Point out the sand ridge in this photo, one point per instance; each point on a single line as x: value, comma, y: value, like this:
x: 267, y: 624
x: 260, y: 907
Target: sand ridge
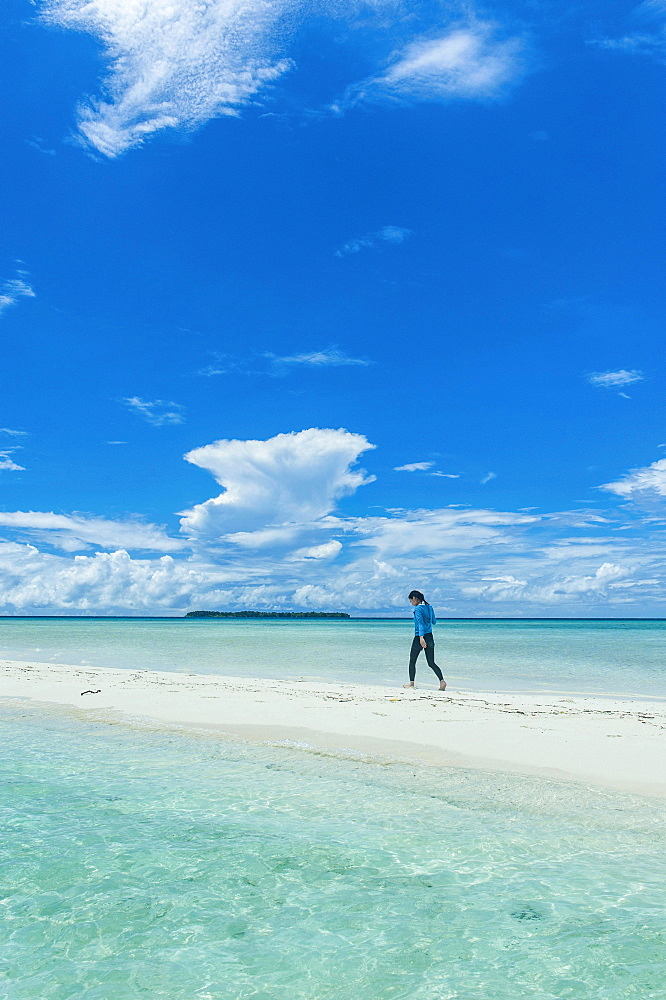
x: 619, y: 743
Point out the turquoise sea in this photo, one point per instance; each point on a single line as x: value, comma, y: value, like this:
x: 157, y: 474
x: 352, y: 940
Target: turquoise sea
x: 601, y: 657
x: 139, y: 859
x: 157, y: 862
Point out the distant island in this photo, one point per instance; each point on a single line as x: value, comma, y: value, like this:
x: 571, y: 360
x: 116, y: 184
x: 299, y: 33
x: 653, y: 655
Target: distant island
x: 267, y: 614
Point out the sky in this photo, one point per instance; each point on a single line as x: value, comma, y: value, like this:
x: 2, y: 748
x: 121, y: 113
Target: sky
x: 304, y: 305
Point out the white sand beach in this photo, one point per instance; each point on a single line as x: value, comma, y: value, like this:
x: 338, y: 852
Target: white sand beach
x: 617, y: 743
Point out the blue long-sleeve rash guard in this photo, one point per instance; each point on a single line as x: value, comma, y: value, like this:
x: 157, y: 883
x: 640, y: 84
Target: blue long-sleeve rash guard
x: 424, y: 619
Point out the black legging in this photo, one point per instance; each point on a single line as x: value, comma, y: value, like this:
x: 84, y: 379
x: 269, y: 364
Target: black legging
x: 430, y: 656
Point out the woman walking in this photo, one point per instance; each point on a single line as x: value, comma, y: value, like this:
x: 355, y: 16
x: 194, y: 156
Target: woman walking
x: 424, y: 619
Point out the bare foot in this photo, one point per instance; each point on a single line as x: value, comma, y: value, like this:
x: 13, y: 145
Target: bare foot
x: 411, y: 685
x: 442, y: 685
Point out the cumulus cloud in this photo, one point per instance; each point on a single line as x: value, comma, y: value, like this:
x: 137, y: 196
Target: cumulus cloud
x: 414, y: 467
x: 171, y: 64
x: 615, y: 380
x: 604, y: 575
x: 651, y: 479
x: 106, y: 581
x: 468, y: 62
x: 158, y: 412
x: 467, y: 561
x: 73, y: 532
x: 393, y: 235
x: 273, y: 539
x: 14, y: 289
x: 289, y: 478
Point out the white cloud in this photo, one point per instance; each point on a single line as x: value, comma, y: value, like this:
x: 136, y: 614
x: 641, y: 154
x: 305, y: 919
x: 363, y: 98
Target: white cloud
x: 646, y: 41
x: 171, y: 63
x: 613, y: 380
x: 40, y: 145
x: 496, y: 588
x: 488, y: 477
x: 394, y: 235
x: 14, y: 289
x: 327, y: 550
x: 445, y: 475
x: 652, y: 44
x: 13, y: 433
x: 413, y: 533
x: 414, y: 467
x: 106, y: 581
x: 651, y: 479
x: 274, y: 540
x: 295, y: 477
x: 225, y: 364
x: 158, y: 412
x: 467, y: 561
x: 175, y: 64
x: 328, y: 358
x: 274, y: 365
x: 7, y: 463
x: 73, y: 532
x: 468, y: 62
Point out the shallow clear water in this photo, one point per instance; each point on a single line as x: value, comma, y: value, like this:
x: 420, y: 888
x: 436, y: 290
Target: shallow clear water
x: 603, y: 657
x: 160, y: 862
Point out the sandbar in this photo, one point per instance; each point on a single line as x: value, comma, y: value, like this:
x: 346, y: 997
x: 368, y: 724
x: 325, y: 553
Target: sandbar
x: 612, y: 742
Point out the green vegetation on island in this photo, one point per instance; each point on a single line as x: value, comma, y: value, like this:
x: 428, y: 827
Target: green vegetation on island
x: 267, y: 614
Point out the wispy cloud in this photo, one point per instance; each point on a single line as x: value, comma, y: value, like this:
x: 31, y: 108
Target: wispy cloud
x: 13, y: 433
x: 175, y: 64
x: 7, y: 463
x: 638, y: 44
x: 650, y: 479
x: 649, y: 38
x: 224, y: 364
x: 327, y: 550
x: 272, y: 364
x: 468, y: 62
x: 328, y: 358
x: 615, y: 380
x: 14, y: 289
x: 172, y: 63
x: 158, y: 412
x: 414, y: 467
x: 488, y: 477
x: 424, y: 467
x: 39, y: 144
x: 73, y: 532
x: 393, y: 235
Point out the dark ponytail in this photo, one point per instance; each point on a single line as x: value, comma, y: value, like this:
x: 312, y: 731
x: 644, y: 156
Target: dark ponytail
x: 417, y: 593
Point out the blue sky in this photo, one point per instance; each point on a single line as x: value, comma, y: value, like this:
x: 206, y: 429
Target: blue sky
x: 302, y: 307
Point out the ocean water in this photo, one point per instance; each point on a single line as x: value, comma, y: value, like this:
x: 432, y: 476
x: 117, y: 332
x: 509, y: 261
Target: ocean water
x: 160, y: 862
x: 625, y: 657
